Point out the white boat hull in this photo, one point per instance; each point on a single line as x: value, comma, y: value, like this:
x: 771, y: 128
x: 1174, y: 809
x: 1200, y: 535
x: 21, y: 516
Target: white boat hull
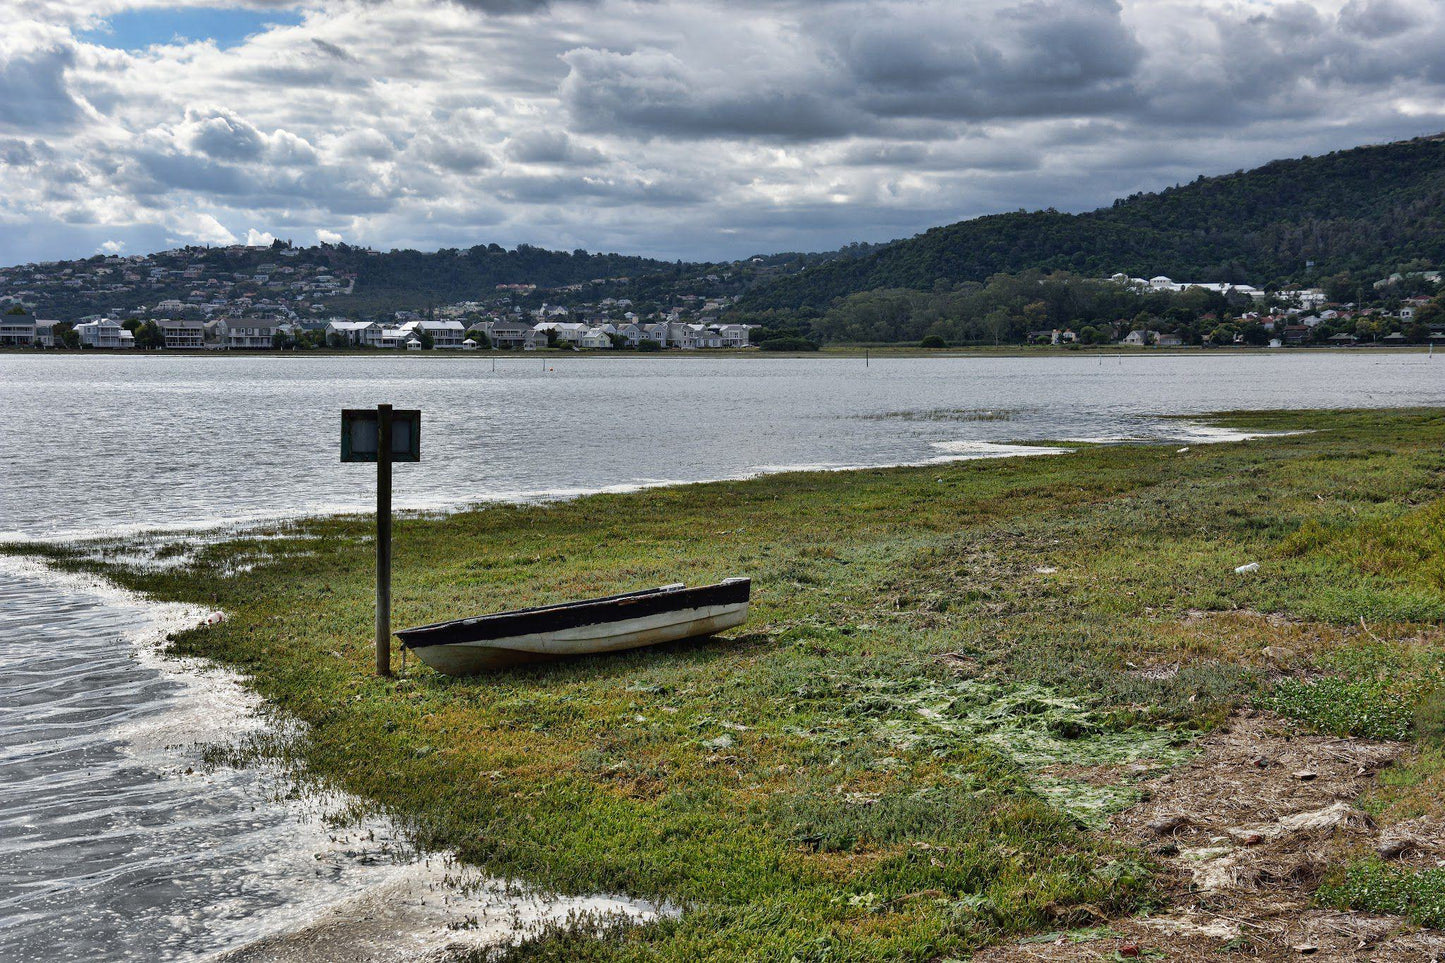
x: 469, y: 658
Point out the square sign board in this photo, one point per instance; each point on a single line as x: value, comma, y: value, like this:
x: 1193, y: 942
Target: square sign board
x: 359, y: 433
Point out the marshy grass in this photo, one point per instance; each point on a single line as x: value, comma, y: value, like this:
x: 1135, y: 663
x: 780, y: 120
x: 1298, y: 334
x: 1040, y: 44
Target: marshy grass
x: 887, y: 763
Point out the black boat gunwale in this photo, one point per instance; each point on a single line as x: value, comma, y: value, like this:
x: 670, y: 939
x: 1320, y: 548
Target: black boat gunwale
x: 567, y: 615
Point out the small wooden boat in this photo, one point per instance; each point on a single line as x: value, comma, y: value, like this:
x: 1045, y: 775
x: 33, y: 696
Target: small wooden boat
x: 611, y: 624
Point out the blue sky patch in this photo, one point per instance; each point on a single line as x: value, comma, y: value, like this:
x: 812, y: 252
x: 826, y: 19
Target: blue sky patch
x: 227, y: 26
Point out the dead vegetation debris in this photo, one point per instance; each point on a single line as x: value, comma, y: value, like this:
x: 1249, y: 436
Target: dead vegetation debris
x: 1244, y: 842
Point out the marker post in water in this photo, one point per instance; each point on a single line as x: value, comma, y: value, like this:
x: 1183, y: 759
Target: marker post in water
x: 383, y: 436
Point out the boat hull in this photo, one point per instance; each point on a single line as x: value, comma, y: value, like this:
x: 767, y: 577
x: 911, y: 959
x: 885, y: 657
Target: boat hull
x: 636, y: 620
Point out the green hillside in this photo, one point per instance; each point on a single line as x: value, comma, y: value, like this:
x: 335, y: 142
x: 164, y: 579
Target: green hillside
x: 1366, y: 210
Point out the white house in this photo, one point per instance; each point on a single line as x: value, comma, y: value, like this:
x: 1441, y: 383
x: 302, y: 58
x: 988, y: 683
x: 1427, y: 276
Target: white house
x: 99, y: 334
x: 596, y: 338
x: 733, y: 335
x: 444, y: 334
x: 365, y: 333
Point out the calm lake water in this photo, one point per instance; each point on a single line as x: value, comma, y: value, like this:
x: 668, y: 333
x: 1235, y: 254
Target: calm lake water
x: 111, y: 849
x: 96, y: 444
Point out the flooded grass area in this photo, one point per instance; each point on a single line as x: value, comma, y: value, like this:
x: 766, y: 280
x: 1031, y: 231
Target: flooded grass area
x: 961, y: 686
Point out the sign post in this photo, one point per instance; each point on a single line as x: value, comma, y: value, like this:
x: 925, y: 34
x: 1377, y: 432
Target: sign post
x: 383, y: 436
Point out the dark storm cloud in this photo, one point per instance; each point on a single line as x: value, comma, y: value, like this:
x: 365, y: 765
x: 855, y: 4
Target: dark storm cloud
x: 655, y: 93
x: 1036, y: 59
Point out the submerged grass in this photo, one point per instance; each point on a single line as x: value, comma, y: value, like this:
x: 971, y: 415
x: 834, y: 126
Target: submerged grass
x: 907, y: 752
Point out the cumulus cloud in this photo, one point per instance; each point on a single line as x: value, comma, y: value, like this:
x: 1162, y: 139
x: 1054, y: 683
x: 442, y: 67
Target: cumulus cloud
x: 680, y: 128
x: 196, y: 227
x: 327, y: 237
x: 34, y: 59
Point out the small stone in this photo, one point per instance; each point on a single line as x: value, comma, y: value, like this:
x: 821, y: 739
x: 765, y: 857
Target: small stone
x: 1253, y: 839
x: 1395, y: 845
x: 1305, y: 949
x: 1304, y: 775
x: 1169, y: 824
x: 1129, y: 950
x: 1277, y: 655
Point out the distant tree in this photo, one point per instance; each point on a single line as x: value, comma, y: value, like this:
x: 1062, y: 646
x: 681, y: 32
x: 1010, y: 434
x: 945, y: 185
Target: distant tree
x: 788, y: 344
x: 426, y: 339
x: 149, y: 335
x: 933, y: 341
x: 647, y: 345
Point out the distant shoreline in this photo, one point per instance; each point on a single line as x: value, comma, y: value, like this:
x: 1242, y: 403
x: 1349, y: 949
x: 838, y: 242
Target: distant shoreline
x: 835, y: 351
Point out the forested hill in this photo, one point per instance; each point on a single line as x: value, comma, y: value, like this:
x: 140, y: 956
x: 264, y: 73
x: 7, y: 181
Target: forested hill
x: 1365, y: 210
x: 403, y: 277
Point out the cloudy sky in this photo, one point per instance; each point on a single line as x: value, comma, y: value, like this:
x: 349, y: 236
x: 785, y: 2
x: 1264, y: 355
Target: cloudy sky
x: 699, y: 129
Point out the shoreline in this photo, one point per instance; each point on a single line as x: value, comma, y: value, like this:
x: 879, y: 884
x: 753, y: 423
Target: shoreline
x: 398, y: 903
x: 879, y: 352
x: 844, y: 535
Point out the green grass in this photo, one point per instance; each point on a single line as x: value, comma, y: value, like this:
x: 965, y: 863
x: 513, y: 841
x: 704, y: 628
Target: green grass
x: 888, y: 762
x: 1373, y: 886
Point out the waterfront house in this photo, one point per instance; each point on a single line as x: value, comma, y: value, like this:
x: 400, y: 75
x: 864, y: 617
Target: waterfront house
x: 253, y: 334
x: 45, y: 334
x: 632, y: 332
x: 444, y: 334
x: 103, y: 333
x: 1139, y: 338
x: 596, y: 338
x: 510, y: 334
x: 568, y: 332
x: 362, y: 333
x: 177, y: 334
x: 1296, y: 334
x: 657, y: 331
x: 1169, y: 340
x: 16, y: 330
x: 733, y: 335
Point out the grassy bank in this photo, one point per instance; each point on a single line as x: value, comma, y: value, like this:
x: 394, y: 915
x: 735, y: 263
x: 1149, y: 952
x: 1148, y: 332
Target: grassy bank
x: 886, y: 764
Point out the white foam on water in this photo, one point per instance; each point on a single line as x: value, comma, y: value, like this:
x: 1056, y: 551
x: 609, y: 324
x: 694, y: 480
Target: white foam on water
x: 965, y: 449
x: 117, y: 842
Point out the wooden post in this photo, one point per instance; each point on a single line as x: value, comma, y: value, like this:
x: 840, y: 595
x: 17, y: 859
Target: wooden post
x: 383, y: 540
